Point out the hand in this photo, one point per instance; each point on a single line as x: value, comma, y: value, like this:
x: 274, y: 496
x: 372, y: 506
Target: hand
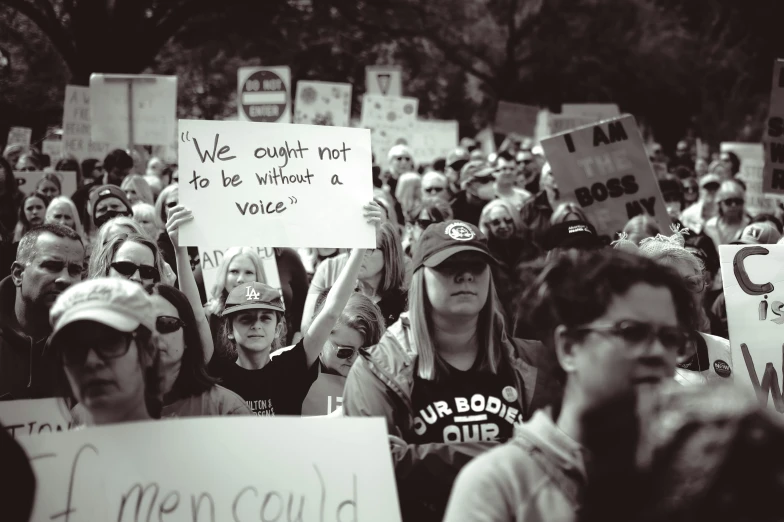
x: 168, y: 276
x: 397, y: 446
x: 177, y: 216
x: 373, y: 213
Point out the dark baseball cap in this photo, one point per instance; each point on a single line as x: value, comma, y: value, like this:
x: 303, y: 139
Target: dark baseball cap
x: 457, y: 158
x: 253, y: 296
x: 108, y: 191
x: 440, y: 241
x: 572, y: 234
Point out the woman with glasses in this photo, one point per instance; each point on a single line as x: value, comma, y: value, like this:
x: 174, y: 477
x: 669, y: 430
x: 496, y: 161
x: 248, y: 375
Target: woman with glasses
x: 502, y: 226
x: 104, y: 334
x: 446, y: 377
x: 725, y: 228
x: 127, y: 256
x: 616, y: 323
x: 428, y: 211
x: 32, y: 213
x: 50, y: 186
x: 435, y: 185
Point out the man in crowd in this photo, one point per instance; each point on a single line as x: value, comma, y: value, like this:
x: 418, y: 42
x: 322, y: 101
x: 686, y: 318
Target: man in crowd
x: 695, y: 216
x: 434, y: 185
x: 400, y: 161
x: 117, y: 165
x: 50, y: 258
x: 476, y: 183
x: 455, y: 162
x: 107, y: 202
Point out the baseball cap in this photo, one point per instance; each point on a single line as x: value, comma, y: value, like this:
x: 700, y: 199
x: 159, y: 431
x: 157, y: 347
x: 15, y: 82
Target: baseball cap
x: 107, y: 191
x: 115, y: 302
x: 440, y: 241
x: 758, y: 234
x: 458, y: 158
x: 710, y: 178
x: 475, y: 169
x: 253, y: 296
x: 572, y: 234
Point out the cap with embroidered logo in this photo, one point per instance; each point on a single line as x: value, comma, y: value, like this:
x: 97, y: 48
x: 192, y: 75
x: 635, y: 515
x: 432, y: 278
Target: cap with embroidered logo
x: 441, y: 241
x: 758, y: 234
x: 253, y: 296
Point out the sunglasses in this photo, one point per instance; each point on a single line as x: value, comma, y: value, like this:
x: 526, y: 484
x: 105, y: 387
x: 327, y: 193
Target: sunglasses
x: 106, y: 342
x: 127, y: 269
x: 424, y: 223
x: 733, y: 202
x: 474, y: 267
x: 499, y: 222
x: 639, y: 335
x: 403, y: 158
x: 345, y: 353
x: 711, y: 187
x: 166, y: 324
x: 433, y: 190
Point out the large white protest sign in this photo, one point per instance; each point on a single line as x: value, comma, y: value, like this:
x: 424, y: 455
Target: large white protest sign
x: 773, y: 137
x: 53, y: 149
x: 752, y: 165
x: 386, y: 80
x: 27, y: 180
x: 433, y: 139
x: 77, y: 139
x: 391, y: 121
x: 211, y: 259
x: 323, y: 103
x: 217, y: 469
x: 753, y: 278
x: 595, y: 111
x: 516, y: 118
x: 275, y: 184
x: 31, y: 417
x: 144, y: 105
x: 264, y: 94
x: 604, y: 168
x: 19, y: 136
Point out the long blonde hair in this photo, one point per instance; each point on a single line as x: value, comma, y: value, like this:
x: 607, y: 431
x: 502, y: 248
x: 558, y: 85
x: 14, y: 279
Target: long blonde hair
x: 484, y: 218
x: 219, y: 293
x: 491, y: 331
x: 65, y: 200
x: 408, y: 192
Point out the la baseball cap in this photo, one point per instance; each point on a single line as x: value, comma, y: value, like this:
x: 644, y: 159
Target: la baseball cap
x: 440, y: 241
x: 253, y: 296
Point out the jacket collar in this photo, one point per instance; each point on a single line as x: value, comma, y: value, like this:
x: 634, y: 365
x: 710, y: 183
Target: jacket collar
x: 8, y: 322
x: 545, y: 434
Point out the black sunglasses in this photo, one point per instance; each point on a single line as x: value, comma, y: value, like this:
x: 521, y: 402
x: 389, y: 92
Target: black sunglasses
x: 637, y: 334
x: 107, y: 343
x: 167, y: 324
x: 345, y: 353
x: 734, y: 202
x: 127, y: 269
x: 424, y: 223
x: 431, y: 190
x: 499, y: 222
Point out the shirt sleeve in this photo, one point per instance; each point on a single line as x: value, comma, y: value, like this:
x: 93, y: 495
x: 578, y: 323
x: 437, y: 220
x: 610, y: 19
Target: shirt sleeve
x: 479, y: 494
x: 295, y: 374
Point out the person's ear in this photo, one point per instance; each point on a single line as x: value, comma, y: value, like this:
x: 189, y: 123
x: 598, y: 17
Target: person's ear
x: 17, y: 270
x: 565, y: 345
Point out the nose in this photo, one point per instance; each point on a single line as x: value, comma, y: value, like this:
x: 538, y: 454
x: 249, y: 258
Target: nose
x: 136, y: 276
x: 92, y: 359
x: 464, y: 277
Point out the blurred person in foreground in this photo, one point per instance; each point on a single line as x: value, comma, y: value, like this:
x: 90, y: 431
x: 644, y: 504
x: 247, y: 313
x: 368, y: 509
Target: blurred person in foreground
x: 706, y: 207
x: 477, y: 188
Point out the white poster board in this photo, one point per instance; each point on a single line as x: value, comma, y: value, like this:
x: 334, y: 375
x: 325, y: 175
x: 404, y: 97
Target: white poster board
x: 53, y: 149
x: 594, y: 111
x: 217, y: 469
x: 386, y: 80
x: 77, y: 140
x: 275, y: 185
x: 558, y: 123
x: 391, y: 121
x: 752, y: 165
x: 433, y: 139
x: 19, y: 136
x: 773, y: 137
x: 264, y: 94
x: 323, y: 103
x: 153, y: 106
x: 211, y: 259
x: 33, y: 417
x: 28, y: 180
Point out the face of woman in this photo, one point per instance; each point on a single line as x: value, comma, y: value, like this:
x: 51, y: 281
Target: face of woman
x: 132, y: 196
x: 240, y: 271
x: 136, y: 254
x: 341, y: 341
x: 25, y: 164
x: 48, y: 189
x: 110, y: 378
x: 61, y: 214
x: 172, y: 201
x: 149, y: 226
x: 500, y: 223
x: 35, y: 211
x: 731, y: 203
x: 172, y: 344
x: 254, y: 330
x: 372, y: 264
x: 459, y: 286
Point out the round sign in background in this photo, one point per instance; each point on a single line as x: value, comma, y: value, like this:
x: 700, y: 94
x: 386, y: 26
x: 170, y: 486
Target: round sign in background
x: 264, y: 82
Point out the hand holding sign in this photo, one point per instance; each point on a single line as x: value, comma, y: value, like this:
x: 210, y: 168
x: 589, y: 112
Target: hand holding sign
x: 178, y: 216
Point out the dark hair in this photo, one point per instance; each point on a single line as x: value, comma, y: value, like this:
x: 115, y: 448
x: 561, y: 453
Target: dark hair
x: 88, y: 167
x: 11, y: 186
x: 436, y: 208
x: 27, y: 245
x: 683, y: 172
x: 68, y: 165
x: 734, y: 161
x: 768, y: 218
x: 23, y: 225
x: 227, y: 348
x: 439, y: 165
x: 360, y: 314
x: 117, y: 159
x: 193, y: 379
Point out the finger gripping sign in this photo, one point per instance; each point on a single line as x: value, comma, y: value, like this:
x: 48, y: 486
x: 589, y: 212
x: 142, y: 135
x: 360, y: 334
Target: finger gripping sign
x: 604, y: 168
x: 273, y: 469
x: 275, y: 185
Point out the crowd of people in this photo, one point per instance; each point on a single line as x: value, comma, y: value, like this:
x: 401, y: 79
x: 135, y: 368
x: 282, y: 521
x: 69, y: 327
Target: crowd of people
x: 487, y: 324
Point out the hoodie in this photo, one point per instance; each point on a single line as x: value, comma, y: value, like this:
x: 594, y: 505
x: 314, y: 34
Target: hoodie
x: 27, y: 370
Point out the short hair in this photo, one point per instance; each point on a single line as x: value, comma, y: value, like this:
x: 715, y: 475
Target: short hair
x: 160, y: 205
x: 563, y: 212
x: 103, y: 255
x: 484, y: 218
x: 117, y: 159
x: 438, y: 210
x: 227, y: 346
x: 26, y: 250
x: 65, y: 200
x: 640, y: 227
x: 360, y: 314
x: 141, y: 186
x: 50, y: 176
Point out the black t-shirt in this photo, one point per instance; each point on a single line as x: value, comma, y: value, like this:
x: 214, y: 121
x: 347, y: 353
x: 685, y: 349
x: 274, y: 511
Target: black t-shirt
x: 465, y: 406
x: 277, y: 389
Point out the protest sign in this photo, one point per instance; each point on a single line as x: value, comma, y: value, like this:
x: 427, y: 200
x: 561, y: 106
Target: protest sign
x: 559, y: 123
x: 752, y: 164
x: 595, y: 111
x: 275, y: 185
x: 264, y: 94
x: 604, y: 168
x: 53, y: 149
x: 391, y: 120
x: 753, y: 279
x: 133, y: 109
x: 386, y: 80
x: 433, y: 139
x: 19, y: 136
x: 773, y: 137
x: 215, y: 469
x: 77, y: 139
x: 32, y: 417
x: 323, y: 103
x: 325, y: 395
x: 516, y: 118
x: 27, y: 180
x: 211, y: 259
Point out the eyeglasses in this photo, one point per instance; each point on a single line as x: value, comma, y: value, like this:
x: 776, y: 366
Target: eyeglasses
x: 106, y: 342
x: 639, y: 335
x: 343, y: 352
x: 402, y: 158
x: 733, y: 202
x: 695, y: 283
x: 434, y: 190
x: 127, y: 269
x: 166, y: 324
x: 711, y: 187
x: 499, y: 222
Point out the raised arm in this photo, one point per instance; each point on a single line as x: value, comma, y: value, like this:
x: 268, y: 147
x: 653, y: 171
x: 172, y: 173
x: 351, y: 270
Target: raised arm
x: 177, y: 217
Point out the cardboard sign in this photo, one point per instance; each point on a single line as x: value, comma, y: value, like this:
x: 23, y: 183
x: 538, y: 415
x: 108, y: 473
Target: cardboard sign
x: 516, y: 118
x: 386, y: 80
x: 275, y: 185
x: 559, y: 123
x: 28, y: 180
x: 53, y: 149
x: 151, y: 100
x: 773, y: 137
x: 604, y: 168
x: 325, y: 395
x: 19, y: 136
x: 323, y: 103
x: 753, y: 278
x: 211, y: 259
x: 264, y: 94
x: 433, y: 139
x: 752, y: 165
x: 391, y: 121
x: 77, y: 140
x: 277, y: 468
x: 595, y: 111
x: 33, y: 417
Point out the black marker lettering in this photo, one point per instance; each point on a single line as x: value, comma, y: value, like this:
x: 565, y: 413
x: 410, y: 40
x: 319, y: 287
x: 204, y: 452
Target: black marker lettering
x: 68, y: 506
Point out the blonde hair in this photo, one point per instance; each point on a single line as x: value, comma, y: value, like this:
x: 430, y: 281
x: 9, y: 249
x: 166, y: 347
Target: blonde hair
x: 65, y: 200
x: 484, y: 218
x: 564, y: 211
x: 491, y: 331
x: 140, y: 185
x: 394, y: 262
x: 144, y: 210
x: 161, y: 215
x: 104, y: 254
x: 219, y: 293
x: 408, y: 192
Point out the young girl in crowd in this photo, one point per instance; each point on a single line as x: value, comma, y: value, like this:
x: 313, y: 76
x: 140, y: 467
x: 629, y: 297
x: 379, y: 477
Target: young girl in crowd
x: 253, y: 325
x: 144, y: 214
x: 616, y: 323
x: 137, y: 190
x: 127, y: 256
x: 32, y: 213
x: 50, y: 186
x: 382, y: 278
x: 63, y: 212
x: 448, y: 359
x: 105, y: 337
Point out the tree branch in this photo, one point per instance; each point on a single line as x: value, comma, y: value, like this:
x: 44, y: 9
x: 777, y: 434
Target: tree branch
x: 51, y: 28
